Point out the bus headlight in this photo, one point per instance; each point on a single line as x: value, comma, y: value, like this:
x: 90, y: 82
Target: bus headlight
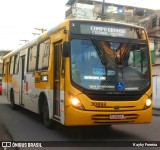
x: 148, y: 103
x: 77, y: 103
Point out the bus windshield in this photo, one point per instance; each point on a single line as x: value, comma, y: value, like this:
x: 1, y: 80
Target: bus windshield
x: 109, y: 65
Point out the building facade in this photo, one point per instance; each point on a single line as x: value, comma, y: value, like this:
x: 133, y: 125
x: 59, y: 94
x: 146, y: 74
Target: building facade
x: 92, y: 9
x: 152, y: 25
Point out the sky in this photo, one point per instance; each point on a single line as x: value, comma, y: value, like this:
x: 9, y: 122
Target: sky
x: 18, y: 18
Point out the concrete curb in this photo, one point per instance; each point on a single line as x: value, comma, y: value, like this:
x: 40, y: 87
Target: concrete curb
x: 156, y: 112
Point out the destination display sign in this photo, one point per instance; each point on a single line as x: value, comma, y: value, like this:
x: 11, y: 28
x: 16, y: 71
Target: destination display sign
x: 103, y: 30
x: 107, y: 29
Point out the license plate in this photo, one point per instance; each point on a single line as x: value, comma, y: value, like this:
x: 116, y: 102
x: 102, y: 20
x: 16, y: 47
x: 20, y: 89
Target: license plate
x: 117, y: 117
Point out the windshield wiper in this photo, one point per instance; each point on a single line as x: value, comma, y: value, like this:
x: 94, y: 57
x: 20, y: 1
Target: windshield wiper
x: 100, y: 51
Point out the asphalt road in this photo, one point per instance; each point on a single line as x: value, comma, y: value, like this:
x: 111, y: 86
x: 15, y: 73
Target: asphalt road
x: 24, y: 126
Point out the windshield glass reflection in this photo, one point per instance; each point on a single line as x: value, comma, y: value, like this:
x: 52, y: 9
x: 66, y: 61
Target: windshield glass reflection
x: 109, y: 65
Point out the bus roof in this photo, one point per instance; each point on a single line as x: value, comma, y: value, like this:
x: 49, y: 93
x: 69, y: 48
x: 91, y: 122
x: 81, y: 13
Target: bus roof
x: 61, y: 25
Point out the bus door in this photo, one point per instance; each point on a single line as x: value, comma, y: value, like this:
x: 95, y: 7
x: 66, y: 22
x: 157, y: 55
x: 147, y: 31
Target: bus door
x: 7, y: 79
x: 22, y: 79
x: 6, y: 71
x: 57, y: 79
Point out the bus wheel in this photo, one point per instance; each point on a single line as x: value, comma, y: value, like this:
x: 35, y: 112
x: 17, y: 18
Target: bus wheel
x: 46, y: 121
x: 13, y: 106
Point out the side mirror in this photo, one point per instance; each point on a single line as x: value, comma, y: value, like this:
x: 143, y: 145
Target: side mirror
x: 66, y: 49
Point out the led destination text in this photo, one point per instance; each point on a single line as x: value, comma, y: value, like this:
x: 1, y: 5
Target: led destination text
x: 108, y: 29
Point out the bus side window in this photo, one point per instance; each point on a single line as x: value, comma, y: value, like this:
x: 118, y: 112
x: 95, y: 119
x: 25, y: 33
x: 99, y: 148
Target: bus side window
x: 44, y: 55
x: 16, y: 64
x: 11, y: 69
x: 32, y: 57
x: 4, y: 68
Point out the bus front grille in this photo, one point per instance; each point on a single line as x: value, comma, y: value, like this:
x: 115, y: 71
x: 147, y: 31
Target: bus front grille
x: 104, y: 119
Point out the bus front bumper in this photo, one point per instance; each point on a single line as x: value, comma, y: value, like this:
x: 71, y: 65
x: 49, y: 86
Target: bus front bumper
x: 75, y: 117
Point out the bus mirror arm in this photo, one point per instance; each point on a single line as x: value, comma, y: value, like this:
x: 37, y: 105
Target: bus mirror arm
x: 66, y: 49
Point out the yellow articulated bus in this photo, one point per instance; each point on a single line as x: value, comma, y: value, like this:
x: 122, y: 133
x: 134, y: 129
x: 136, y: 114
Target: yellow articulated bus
x: 83, y: 73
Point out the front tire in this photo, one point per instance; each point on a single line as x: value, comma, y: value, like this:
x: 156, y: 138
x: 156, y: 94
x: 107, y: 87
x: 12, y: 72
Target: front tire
x: 45, y: 113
